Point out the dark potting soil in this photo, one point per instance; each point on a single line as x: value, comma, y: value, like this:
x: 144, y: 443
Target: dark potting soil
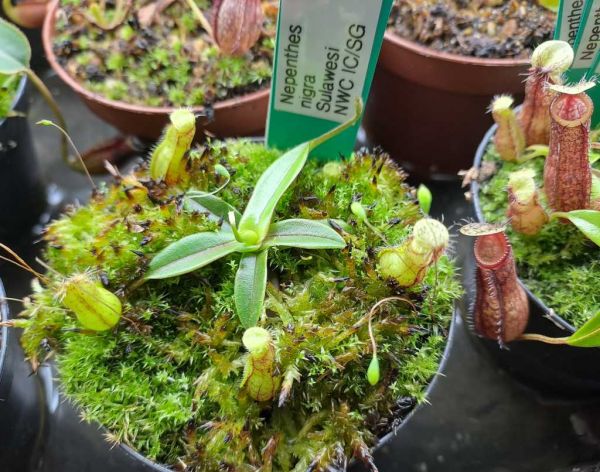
x: 486, y: 28
x: 170, y: 61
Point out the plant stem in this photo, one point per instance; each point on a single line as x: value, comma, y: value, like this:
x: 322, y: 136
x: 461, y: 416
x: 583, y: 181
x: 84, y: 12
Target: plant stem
x: 200, y: 17
x: 541, y: 338
x: 37, y: 82
x: 559, y: 214
x: 358, y: 109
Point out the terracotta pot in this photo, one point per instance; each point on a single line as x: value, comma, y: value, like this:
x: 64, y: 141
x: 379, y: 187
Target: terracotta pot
x: 560, y: 371
x: 241, y: 116
x: 428, y: 108
x: 29, y: 13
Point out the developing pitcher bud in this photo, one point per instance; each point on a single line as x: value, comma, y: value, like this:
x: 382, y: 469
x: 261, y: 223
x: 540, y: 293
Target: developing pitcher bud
x: 553, y: 56
x: 548, y: 62
x: 408, y: 263
x: 333, y: 170
x: 373, y: 373
x: 259, y: 373
x: 509, y: 138
x: 167, y: 161
x: 524, y: 210
x: 237, y: 25
x: 567, y: 171
x: 96, y: 308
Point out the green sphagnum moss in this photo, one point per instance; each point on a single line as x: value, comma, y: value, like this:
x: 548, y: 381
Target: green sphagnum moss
x: 167, y: 380
x: 559, y: 265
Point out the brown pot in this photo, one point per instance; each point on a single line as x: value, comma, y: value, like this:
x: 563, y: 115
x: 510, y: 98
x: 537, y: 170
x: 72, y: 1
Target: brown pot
x: 241, y: 116
x: 428, y: 108
x: 29, y: 13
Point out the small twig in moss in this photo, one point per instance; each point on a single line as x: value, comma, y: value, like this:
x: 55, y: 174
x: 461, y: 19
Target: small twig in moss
x: 19, y: 262
x: 200, y: 17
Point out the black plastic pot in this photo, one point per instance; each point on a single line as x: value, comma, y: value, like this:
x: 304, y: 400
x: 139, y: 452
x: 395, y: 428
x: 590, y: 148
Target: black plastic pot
x: 553, y: 370
x: 22, y: 192
x: 21, y: 405
x: 77, y: 446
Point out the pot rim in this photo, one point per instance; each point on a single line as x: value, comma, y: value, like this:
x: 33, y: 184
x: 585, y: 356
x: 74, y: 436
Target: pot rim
x: 428, y: 52
x: 388, y: 437
x: 16, y: 99
x: 47, y: 40
x: 3, y: 330
x: 474, y: 188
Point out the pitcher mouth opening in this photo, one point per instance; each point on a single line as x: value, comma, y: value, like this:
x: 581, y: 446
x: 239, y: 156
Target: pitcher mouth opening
x: 491, y: 250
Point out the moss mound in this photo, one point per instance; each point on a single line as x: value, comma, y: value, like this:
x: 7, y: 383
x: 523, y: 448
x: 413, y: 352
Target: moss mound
x: 172, y: 62
x: 167, y: 380
x: 559, y: 265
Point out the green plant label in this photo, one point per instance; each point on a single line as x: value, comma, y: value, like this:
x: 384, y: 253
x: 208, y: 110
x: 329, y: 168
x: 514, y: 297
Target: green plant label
x: 582, y: 19
x: 594, y: 92
x: 569, y: 17
x: 326, y: 55
x: 587, y: 41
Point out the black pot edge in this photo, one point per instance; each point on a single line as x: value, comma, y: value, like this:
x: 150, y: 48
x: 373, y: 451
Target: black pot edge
x: 3, y: 331
x: 50, y: 379
x: 481, y: 149
x: 17, y: 98
x: 383, y: 441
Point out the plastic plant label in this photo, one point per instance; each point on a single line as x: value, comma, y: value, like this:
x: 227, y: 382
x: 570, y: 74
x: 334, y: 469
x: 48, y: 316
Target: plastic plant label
x: 326, y: 55
x: 594, y: 92
x: 587, y: 42
x: 569, y: 17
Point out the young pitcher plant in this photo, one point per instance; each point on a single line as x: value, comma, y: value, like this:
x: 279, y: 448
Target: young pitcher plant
x: 251, y: 233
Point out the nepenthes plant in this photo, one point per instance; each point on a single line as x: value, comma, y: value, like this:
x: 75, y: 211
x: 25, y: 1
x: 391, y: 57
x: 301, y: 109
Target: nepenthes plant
x: 546, y: 196
x: 235, y: 306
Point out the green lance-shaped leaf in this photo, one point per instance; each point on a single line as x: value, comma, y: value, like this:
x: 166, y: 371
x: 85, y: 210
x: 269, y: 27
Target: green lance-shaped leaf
x: 306, y: 234
x: 588, y: 222
x: 273, y: 183
x: 206, y: 202
x: 15, y: 52
x: 588, y: 335
x: 15, y: 57
x: 595, y: 190
x: 191, y: 253
x: 250, y: 287
x: 269, y: 189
